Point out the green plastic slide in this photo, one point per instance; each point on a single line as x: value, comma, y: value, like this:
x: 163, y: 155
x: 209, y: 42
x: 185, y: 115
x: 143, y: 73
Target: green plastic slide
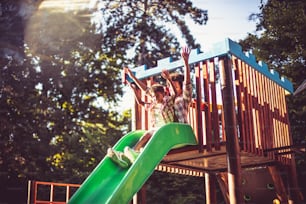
x: 109, y: 183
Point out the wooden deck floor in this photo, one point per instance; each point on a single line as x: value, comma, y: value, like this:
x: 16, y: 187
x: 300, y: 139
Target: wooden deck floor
x: 196, y: 163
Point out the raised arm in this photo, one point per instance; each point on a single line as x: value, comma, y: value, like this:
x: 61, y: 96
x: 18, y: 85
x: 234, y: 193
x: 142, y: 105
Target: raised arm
x: 139, y: 83
x: 165, y: 74
x: 185, y: 54
x: 136, y: 95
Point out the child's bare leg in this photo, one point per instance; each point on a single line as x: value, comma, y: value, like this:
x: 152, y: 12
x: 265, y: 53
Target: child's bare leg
x: 143, y: 140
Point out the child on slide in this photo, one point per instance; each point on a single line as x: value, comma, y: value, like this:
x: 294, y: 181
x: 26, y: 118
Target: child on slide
x: 161, y: 109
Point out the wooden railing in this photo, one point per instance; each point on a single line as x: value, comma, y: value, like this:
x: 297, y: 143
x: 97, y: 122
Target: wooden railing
x: 260, y: 107
x: 49, y: 192
x: 262, y: 112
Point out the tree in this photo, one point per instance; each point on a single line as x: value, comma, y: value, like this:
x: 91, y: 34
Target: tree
x: 60, y: 80
x: 143, y: 27
x: 281, y: 43
x: 48, y: 96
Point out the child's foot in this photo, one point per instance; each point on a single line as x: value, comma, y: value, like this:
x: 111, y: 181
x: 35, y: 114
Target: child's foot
x: 130, y: 154
x: 117, y: 158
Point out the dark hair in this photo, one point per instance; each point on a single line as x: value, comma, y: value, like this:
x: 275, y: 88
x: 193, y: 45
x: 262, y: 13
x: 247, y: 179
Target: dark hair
x: 177, y: 77
x: 157, y: 88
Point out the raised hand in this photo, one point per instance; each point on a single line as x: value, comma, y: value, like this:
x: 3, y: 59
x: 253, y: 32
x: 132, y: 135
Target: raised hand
x: 165, y: 74
x: 128, y: 71
x: 185, y: 53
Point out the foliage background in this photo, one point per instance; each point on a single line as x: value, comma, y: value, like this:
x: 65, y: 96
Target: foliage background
x: 60, y: 81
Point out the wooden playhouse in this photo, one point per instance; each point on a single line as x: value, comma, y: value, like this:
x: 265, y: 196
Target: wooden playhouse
x: 240, y: 119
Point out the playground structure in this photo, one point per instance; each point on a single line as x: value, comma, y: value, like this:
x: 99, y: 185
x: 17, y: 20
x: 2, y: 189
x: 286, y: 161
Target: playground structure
x: 238, y: 138
x: 244, y: 130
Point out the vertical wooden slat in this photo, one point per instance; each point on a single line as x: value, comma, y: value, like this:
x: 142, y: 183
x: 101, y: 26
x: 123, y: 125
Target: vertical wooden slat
x: 270, y: 137
x: 29, y: 192
x: 240, y: 103
x: 247, y: 144
x: 214, y: 114
x: 259, y: 112
x: 286, y: 123
x: 281, y: 105
x: 284, y: 108
x: 270, y: 117
x: 262, y: 111
x: 274, y: 124
x: 146, y: 117
x: 249, y: 111
x: 210, y: 188
x: 253, y: 109
x: 208, y: 128
x: 67, y: 193
x: 277, y: 131
x: 198, y: 111
x: 138, y: 113
x: 243, y: 106
x: 204, y: 119
x: 282, y: 134
x: 51, y: 192
x: 145, y: 121
x: 192, y: 117
x: 265, y: 114
x: 223, y: 125
x: 278, y: 118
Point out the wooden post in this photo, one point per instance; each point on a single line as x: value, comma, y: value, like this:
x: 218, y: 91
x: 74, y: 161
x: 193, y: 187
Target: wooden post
x: 278, y: 183
x: 208, y: 125
x: 210, y: 188
x: 223, y: 183
x: 30, y: 184
x: 232, y: 146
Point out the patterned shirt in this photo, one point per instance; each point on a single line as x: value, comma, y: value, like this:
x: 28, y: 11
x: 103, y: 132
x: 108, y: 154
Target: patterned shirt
x: 181, y: 104
x: 162, y: 113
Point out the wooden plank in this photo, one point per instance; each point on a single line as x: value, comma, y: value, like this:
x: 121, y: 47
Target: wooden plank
x: 261, y: 112
x: 240, y: 103
x: 247, y: 144
x: 198, y: 111
x: 270, y: 116
x: 208, y: 120
x: 192, y: 118
x: 249, y: 110
x: 214, y: 114
x: 254, y: 110
x: 210, y: 188
x: 268, y: 132
x: 222, y: 180
x: 278, y: 184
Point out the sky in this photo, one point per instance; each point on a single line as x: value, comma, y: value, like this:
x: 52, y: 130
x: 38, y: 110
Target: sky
x: 226, y: 19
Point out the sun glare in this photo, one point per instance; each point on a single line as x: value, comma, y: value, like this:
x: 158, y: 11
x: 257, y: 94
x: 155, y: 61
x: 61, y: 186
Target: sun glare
x: 56, y: 22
